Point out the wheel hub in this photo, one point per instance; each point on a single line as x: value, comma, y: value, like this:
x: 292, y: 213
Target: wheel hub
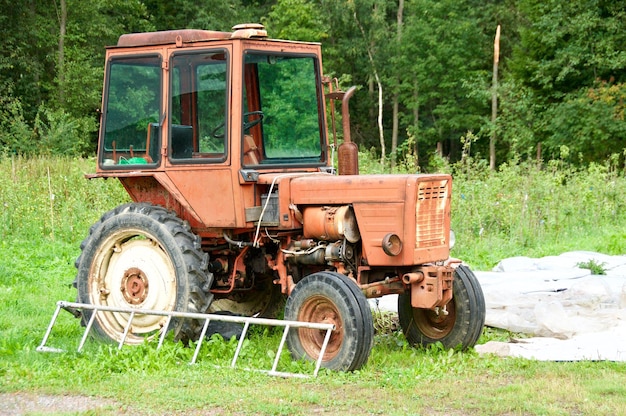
x: 134, y: 286
x: 436, y: 323
x: 320, y: 309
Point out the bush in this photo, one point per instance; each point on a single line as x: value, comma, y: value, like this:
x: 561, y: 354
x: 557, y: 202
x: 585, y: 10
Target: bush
x: 54, y: 132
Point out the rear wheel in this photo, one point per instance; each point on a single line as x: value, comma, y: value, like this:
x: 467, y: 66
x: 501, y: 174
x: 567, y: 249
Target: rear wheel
x: 461, y: 323
x: 328, y: 297
x: 143, y: 256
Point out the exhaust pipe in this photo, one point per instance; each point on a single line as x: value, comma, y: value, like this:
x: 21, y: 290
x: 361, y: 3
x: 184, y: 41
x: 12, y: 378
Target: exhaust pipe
x: 348, y: 151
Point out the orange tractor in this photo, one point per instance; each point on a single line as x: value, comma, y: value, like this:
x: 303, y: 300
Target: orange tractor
x: 221, y: 141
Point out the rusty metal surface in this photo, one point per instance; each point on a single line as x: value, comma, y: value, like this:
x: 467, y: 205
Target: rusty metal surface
x: 431, y: 213
x: 170, y: 37
x: 348, y: 151
x: 134, y: 286
x: 320, y: 309
x: 397, y: 221
x: 386, y: 204
x: 331, y: 223
x: 433, y: 288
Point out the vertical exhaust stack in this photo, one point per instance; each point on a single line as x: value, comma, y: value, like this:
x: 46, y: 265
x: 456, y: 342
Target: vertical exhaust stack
x: 348, y: 151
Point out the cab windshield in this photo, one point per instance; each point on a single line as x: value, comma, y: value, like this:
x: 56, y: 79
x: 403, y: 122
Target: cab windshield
x: 282, y: 108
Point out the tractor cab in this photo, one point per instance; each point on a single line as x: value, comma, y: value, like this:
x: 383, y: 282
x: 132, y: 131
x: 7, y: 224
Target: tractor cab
x: 193, y: 97
x: 224, y: 105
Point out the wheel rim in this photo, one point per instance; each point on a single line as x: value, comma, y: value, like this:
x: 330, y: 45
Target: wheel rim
x: 320, y: 309
x: 132, y: 269
x: 435, y: 324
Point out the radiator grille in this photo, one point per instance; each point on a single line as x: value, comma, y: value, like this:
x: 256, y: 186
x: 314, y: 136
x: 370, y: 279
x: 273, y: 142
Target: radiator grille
x: 430, y: 213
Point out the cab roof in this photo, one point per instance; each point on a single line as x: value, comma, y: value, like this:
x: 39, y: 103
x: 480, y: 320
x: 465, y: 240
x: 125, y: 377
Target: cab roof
x: 178, y: 37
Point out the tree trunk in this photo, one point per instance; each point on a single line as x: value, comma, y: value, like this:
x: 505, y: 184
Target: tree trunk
x: 494, y: 100
x: 381, y: 135
x: 61, y: 57
x: 394, y: 131
x: 396, y: 98
x: 416, y: 121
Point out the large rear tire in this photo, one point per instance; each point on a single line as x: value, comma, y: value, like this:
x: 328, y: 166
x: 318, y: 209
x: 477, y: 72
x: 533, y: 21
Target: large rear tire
x: 329, y: 297
x: 461, y: 324
x: 143, y: 256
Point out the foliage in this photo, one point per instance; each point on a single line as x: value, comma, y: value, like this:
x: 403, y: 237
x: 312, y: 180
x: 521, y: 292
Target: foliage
x: 562, y: 69
x: 590, y: 122
x: 53, y: 132
x: 296, y: 20
x: 46, y: 198
x: 14, y: 130
x: 50, y: 102
x: 531, y: 211
x: 443, y: 76
x: 571, y: 57
x: 595, y: 267
x: 204, y: 14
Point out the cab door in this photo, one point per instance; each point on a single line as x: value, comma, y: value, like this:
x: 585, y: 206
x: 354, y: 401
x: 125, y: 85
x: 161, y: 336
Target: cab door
x: 197, y: 151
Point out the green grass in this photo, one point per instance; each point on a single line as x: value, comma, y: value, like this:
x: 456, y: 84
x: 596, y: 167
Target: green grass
x: 521, y: 211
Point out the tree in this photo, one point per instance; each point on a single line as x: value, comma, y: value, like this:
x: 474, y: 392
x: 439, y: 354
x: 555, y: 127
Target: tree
x: 52, y: 68
x: 296, y: 20
x: 204, y: 14
x: 572, y: 56
x: 396, y: 95
x: 445, y: 58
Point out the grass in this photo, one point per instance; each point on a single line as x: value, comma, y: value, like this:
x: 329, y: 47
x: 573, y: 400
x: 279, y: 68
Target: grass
x: 40, y: 236
x: 524, y: 210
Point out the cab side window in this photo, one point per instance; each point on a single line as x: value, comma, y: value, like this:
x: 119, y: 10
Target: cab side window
x: 132, y: 109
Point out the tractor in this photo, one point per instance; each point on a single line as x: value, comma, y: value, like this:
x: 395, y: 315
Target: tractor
x: 244, y: 204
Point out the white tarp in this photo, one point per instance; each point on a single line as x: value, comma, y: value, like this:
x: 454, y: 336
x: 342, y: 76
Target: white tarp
x: 570, y: 313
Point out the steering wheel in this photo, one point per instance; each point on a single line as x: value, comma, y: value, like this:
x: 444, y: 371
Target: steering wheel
x: 218, y: 132
x: 247, y: 125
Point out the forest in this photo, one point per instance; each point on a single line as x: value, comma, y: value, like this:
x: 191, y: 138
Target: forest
x: 428, y: 75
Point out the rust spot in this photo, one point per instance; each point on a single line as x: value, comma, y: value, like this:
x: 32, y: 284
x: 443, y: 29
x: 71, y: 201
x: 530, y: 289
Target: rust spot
x: 134, y: 286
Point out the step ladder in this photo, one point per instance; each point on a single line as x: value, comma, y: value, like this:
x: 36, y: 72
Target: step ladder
x: 72, y: 307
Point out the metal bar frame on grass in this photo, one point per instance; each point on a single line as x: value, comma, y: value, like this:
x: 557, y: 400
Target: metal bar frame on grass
x: 206, y: 317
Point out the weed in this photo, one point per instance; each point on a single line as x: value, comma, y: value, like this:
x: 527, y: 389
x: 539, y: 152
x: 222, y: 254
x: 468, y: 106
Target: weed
x: 595, y: 267
x: 385, y: 322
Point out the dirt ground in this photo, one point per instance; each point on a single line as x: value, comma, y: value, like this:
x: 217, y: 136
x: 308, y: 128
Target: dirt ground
x: 15, y: 404
x: 23, y: 404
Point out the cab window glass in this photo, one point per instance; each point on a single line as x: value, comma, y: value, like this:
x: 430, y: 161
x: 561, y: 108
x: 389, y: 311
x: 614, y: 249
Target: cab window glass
x: 132, y: 108
x: 281, y: 120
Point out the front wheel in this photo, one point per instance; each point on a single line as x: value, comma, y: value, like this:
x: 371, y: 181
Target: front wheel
x: 141, y: 256
x: 459, y: 324
x: 328, y: 297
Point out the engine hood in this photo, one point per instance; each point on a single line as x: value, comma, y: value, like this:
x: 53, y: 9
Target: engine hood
x: 333, y: 190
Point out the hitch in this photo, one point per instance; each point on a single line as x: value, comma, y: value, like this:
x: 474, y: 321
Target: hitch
x: 431, y: 286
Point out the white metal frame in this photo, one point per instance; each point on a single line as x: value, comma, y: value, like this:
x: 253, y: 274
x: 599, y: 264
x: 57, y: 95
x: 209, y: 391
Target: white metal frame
x: 247, y: 321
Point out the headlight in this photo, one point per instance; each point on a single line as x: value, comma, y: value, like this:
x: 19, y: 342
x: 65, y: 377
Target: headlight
x: 452, y: 239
